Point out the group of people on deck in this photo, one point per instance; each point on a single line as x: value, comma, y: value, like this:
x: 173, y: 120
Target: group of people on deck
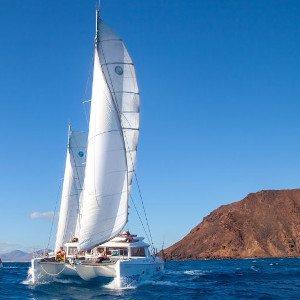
x: 61, y: 253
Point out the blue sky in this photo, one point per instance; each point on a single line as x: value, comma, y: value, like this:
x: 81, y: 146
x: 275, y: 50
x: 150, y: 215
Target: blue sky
x: 219, y: 84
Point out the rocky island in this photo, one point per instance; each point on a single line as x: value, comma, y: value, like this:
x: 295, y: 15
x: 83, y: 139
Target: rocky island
x: 264, y: 224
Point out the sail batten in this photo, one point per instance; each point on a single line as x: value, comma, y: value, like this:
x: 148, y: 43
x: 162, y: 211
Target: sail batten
x: 112, y: 141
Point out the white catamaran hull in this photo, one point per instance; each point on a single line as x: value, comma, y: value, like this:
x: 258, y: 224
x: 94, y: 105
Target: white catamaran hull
x: 132, y: 270
x: 46, y: 270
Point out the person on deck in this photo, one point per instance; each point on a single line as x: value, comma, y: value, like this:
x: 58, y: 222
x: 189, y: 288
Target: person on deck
x: 129, y: 237
x: 101, y: 258
x: 60, y: 255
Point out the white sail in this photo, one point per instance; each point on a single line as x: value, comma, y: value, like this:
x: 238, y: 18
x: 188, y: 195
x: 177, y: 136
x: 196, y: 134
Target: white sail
x: 72, y: 187
x: 120, y: 76
x: 112, y: 141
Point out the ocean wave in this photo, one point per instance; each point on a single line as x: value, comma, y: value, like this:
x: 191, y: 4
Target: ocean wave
x: 123, y: 284
x: 8, y: 268
x: 186, y: 272
x: 195, y: 272
x: 254, y: 268
x: 159, y: 282
x: 28, y: 280
x: 170, y: 272
x: 126, y: 285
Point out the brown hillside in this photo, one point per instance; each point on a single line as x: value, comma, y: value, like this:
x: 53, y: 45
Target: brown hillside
x: 264, y: 224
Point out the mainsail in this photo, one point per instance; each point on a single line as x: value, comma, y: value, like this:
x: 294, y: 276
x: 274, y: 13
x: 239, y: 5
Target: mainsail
x: 112, y: 141
x: 72, y: 187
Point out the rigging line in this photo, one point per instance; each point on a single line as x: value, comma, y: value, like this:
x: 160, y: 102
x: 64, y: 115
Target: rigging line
x: 137, y: 212
x: 124, y: 135
x: 140, y: 193
x: 58, y: 192
x: 86, y: 87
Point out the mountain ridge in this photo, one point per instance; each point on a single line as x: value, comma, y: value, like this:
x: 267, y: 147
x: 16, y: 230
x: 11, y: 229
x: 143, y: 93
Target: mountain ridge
x: 20, y: 256
x: 263, y: 224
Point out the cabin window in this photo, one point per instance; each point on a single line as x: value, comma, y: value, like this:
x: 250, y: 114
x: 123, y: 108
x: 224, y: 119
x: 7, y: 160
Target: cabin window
x: 138, y: 251
x: 117, y: 251
x: 123, y: 251
x: 72, y: 251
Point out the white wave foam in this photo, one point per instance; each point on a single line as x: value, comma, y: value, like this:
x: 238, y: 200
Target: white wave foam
x: 188, y: 272
x: 28, y: 280
x: 121, y: 284
x: 125, y: 284
x: 159, y: 282
x: 194, y: 272
x: 254, y: 269
x: 169, y: 272
x: 64, y: 280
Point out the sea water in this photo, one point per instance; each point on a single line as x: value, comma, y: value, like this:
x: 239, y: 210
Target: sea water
x: 210, y: 279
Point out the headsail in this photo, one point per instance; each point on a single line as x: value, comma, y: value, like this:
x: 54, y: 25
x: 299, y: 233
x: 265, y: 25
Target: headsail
x: 112, y: 141
x: 72, y: 187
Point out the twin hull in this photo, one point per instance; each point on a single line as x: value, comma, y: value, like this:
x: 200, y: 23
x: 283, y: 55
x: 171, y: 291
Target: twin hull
x: 126, y: 271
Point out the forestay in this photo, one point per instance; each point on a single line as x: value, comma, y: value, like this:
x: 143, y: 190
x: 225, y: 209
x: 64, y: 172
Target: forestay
x: 72, y: 187
x: 112, y: 141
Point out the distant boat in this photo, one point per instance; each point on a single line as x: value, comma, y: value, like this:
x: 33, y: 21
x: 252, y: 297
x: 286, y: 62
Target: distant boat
x: 1, y: 264
x: 98, y: 178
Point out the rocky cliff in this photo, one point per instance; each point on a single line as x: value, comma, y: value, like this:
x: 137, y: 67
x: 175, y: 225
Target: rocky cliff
x: 264, y: 224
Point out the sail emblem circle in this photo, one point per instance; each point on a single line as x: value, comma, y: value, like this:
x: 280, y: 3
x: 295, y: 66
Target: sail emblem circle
x: 119, y: 70
x: 80, y: 153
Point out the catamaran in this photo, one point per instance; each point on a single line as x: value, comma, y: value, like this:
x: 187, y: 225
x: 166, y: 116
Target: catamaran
x: 98, y: 177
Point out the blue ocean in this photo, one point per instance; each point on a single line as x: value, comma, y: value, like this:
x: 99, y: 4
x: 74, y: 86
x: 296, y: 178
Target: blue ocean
x: 210, y: 279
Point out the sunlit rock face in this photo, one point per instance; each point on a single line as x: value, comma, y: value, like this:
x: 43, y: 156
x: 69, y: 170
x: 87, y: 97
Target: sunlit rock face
x: 264, y: 224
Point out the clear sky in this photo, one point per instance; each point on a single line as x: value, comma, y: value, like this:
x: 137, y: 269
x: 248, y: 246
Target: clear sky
x: 220, y: 101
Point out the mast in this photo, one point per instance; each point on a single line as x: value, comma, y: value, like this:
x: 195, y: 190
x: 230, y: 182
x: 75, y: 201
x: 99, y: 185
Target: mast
x: 96, y: 36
